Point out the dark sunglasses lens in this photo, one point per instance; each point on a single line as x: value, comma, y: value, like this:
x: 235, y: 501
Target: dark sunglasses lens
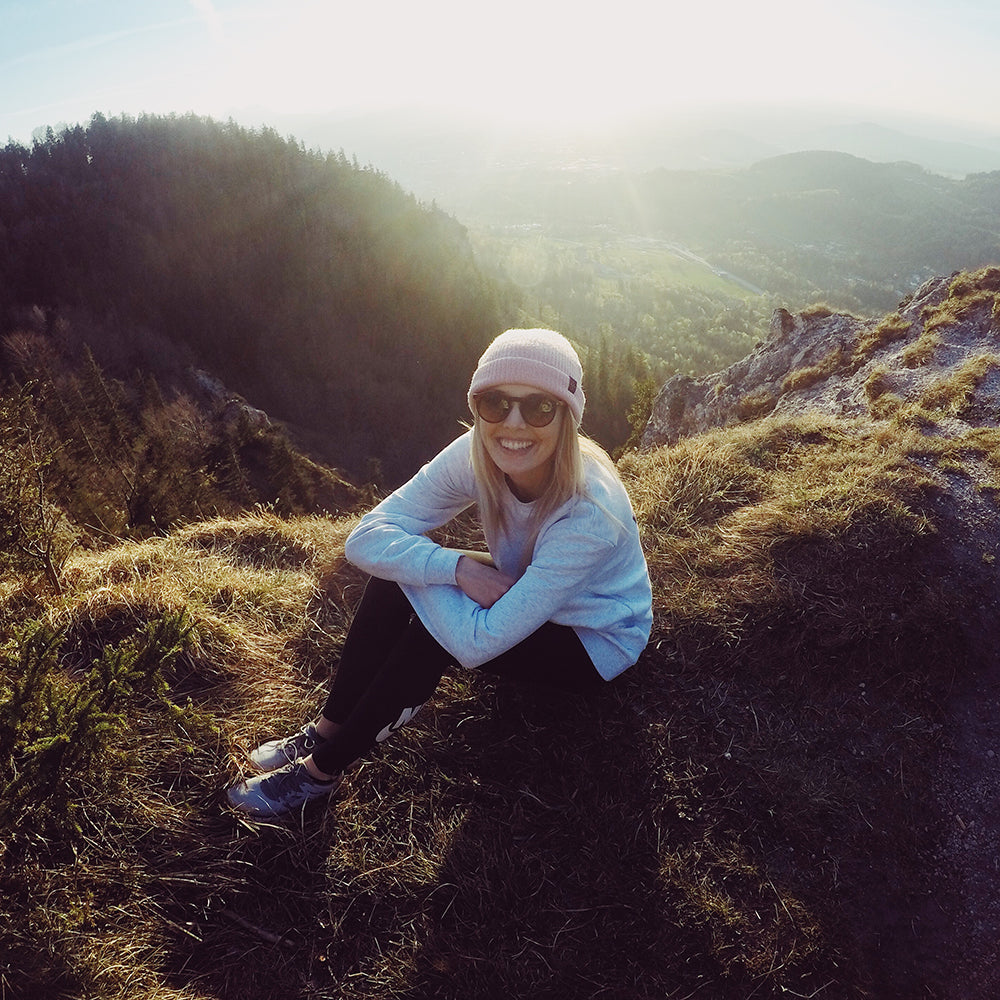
x: 538, y: 411
x: 493, y: 407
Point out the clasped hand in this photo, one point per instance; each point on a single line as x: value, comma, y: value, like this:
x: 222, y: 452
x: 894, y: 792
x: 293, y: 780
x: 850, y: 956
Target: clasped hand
x: 483, y: 584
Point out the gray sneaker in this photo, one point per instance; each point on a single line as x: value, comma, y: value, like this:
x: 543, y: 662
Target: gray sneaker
x: 277, y: 753
x: 282, y: 791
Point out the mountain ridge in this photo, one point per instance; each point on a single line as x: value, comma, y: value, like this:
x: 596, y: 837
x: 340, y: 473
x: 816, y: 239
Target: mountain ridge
x: 433, y: 154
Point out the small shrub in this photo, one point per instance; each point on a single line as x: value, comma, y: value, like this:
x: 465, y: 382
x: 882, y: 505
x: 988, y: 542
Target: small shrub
x: 58, y: 733
x: 34, y: 531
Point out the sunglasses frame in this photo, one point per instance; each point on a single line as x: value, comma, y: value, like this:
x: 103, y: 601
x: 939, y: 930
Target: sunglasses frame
x: 533, y: 401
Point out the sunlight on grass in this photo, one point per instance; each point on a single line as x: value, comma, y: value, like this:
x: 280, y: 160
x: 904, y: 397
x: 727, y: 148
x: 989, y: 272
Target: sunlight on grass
x: 508, y: 839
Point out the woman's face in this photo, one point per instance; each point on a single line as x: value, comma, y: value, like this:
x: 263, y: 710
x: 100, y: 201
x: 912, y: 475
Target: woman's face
x: 522, y: 452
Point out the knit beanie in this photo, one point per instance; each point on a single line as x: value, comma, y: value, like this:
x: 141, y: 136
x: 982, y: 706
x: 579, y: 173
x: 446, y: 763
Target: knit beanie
x: 542, y: 359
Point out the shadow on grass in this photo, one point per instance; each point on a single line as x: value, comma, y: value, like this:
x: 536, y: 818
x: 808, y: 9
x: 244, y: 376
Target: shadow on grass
x: 679, y: 834
x: 550, y: 888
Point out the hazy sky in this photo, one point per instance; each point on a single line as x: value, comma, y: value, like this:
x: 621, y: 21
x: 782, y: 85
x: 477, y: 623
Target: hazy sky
x: 62, y: 60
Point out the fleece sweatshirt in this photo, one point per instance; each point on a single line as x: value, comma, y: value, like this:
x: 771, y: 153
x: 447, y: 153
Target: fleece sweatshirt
x: 587, y: 569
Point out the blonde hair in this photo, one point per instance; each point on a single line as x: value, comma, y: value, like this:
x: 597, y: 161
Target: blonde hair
x: 567, y: 480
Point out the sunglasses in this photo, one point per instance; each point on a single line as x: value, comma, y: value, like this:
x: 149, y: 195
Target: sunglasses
x: 538, y: 410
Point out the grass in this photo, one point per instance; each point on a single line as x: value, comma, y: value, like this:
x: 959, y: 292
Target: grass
x: 922, y: 350
x: 804, y: 378
x: 887, y: 331
x: 954, y: 395
x: 969, y: 292
x: 718, y: 822
x: 756, y: 404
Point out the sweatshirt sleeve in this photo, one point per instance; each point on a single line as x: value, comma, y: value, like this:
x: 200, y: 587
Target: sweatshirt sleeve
x: 566, y: 558
x: 390, y: 541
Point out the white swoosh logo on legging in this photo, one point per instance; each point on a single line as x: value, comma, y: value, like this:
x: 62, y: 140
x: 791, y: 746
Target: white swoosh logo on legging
x: 404, y: 718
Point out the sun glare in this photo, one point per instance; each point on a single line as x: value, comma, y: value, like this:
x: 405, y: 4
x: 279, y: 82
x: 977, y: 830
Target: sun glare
x: 536, y: 61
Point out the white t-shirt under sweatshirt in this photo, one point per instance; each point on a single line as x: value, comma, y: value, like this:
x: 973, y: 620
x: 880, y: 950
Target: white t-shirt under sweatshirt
x: 587, y: 569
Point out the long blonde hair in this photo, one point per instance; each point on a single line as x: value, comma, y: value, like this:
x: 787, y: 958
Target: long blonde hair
x: 567, y: 480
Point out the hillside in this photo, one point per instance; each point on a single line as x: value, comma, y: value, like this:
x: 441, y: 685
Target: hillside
x: 306, y: 283
x: 790, y: 794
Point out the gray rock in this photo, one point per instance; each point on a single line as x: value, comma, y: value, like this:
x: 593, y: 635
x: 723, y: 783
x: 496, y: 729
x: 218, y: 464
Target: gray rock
x: 847, y: 366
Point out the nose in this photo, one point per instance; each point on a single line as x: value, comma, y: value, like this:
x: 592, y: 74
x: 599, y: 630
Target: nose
x: 514, y: 418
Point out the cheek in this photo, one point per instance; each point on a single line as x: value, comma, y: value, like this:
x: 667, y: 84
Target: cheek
x: 549, y: 445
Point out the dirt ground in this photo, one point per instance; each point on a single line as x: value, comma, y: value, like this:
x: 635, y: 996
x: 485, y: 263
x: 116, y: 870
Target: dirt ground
x: 959, y: 930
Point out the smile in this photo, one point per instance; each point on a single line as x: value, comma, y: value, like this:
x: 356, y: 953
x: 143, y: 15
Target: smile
x: 512, y: 445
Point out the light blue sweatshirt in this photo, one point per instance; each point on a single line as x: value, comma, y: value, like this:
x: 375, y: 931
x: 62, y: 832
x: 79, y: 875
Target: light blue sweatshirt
x: 587, y: 569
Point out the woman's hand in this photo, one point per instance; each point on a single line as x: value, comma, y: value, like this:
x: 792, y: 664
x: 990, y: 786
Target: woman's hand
x: 484, y: 584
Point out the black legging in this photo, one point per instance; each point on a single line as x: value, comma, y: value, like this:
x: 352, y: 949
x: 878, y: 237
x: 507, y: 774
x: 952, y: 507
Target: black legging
x: 391, y: 665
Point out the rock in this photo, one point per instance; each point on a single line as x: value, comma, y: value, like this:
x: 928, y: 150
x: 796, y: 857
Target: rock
x: 939, y: 350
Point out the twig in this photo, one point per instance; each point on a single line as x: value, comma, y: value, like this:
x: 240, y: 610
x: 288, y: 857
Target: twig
x: 276, y: 939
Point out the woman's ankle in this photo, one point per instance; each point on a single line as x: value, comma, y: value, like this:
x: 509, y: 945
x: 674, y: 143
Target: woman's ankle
x: 327, y: 729
x: 314, y: 771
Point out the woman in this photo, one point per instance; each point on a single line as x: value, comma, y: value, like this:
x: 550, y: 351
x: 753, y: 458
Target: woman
x: 566, y: 600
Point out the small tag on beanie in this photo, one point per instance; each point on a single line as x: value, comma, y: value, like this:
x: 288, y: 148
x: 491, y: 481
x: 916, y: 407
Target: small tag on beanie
x: 572, y: 386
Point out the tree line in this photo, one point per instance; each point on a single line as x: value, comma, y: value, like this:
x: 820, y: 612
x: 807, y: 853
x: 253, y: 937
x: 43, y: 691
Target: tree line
x: 310, y: 285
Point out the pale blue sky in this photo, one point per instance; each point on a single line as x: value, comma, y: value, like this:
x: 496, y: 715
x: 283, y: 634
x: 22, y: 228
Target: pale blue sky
x: 62, y: 60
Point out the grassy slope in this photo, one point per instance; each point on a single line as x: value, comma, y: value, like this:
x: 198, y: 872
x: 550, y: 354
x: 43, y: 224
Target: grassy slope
x: 745, y: 813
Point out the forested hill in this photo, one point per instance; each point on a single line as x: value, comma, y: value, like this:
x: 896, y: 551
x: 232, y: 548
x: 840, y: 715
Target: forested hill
x: 316, y: 288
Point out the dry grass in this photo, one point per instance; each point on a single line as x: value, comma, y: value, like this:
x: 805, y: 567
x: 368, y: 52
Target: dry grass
x: 954, y: 395
x: 756, y: 404
x: 708, y: 825
x: 736, y: 497
x: 969, y: 292
x: 887, y: 331
x: 803, y: 378
x: 922, y: 350
x: 882, y: 403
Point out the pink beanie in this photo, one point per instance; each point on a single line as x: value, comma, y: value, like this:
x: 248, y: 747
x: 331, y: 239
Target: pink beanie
x: 543, y: 359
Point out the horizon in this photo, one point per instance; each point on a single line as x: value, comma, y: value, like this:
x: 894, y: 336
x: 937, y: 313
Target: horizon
x: 538, y: 66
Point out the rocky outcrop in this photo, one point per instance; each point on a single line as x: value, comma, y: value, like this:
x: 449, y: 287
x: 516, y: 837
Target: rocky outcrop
x: 231, y: 408
x: 939, y: 351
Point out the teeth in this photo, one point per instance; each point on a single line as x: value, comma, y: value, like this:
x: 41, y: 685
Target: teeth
x: 516, y: 445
